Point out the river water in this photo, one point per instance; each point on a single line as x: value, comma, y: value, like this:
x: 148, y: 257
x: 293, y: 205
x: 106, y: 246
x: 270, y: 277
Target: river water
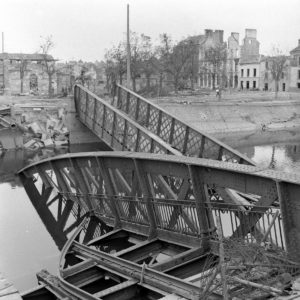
x: 27, y: 247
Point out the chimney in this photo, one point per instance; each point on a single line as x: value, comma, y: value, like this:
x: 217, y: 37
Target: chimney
x: 219, y: 36
x: 208, y: 32
x: 251, y: 33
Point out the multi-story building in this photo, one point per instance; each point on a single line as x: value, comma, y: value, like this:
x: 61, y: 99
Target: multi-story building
x: 267, y: 82
x: 295, y: 69
x: 249, y: 63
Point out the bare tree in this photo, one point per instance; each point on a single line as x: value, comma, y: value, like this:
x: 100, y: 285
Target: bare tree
x: 147, y: 59
x: 115, y: 64
x: 23, y: 69
x: 277, y: 66
x: 215, y: 63
x: 192, y: 66
x: 174, y: 58
x: 48, y: 62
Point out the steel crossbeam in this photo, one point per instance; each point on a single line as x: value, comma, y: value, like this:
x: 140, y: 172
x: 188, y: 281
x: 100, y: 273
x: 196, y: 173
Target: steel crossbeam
x: 153, y: 195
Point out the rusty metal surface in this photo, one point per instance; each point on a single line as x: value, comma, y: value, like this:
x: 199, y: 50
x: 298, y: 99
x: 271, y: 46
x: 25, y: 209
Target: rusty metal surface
x: 183, y: 137
x: 155, y: 195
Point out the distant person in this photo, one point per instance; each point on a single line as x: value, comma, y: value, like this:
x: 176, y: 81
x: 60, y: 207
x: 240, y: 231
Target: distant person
x: 218, y: 93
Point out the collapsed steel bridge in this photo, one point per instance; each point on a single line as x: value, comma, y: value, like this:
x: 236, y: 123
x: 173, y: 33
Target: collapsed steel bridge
x: 157, y: 204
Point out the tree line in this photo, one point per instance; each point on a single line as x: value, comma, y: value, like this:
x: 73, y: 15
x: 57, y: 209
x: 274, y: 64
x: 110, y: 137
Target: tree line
x: 171, y: 61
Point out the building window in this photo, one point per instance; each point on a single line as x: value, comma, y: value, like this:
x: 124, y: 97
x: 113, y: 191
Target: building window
x: 254, y: 72
x: 248, y: 72
x: 242, y: 84
x: 298, y: 74
x: 298, y: 85
x: 283, y: 87
x: 254, y: 84
x: 247, y: 85
x: 242, y: 73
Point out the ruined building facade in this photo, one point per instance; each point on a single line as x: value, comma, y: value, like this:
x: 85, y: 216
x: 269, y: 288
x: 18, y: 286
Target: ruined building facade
x: 224, y: 73
x: 244, y: 67
x: 24, y: 73
x: 211, y: 72
x: 249, y: 62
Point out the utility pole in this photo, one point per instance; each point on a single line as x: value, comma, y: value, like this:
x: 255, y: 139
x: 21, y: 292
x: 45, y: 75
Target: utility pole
x: 128, y: 51
x: 2, y: 42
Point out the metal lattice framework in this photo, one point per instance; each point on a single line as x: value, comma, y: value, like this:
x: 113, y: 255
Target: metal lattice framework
x: 115, y: 128
x: 173, y: 197
x: 135, y: 124
x: 181, y: 136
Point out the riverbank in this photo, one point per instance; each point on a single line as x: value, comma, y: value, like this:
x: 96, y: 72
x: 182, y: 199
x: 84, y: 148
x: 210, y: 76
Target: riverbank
x: 235, y: 115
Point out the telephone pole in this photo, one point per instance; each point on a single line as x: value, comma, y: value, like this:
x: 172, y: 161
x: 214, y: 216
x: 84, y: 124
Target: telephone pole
x: 2, y: 42
x: 128, y: 51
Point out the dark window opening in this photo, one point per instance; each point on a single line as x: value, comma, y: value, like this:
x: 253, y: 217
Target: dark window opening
x: 242, y: 84
x: 254, y: 84
x: 298, y: 85
x: 266, y: 87
x: 247, y: 85
x: 242, y: 74
x: 254, y: 72
x: 283, y: 87
x: 248, y: 72
x: 298, y: 74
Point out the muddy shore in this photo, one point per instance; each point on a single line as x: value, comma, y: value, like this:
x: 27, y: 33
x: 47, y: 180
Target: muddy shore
x: 234, y: 117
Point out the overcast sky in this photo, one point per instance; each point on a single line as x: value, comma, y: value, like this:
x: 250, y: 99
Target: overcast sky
x: 83, y: 29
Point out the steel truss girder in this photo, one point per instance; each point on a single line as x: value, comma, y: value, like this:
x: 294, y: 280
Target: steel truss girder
x: 158, y: 198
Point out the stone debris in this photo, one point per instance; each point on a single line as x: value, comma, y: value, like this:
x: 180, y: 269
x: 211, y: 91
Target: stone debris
x: 41, y: 130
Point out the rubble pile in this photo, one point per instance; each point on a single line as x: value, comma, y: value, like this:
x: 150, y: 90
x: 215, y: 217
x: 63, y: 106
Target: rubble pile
x: 41, y: 130
x: 45, y: 132
x: 252, y: 271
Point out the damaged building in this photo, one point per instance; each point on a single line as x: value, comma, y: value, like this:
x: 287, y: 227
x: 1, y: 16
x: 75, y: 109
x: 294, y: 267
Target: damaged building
x: 25, y: 74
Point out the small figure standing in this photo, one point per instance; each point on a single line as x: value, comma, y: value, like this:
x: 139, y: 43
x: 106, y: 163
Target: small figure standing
x: 218, y: 93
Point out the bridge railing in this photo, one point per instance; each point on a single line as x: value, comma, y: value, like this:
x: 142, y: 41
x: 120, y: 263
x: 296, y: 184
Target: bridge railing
x: 181, y: 136
x: 116, y: 129
x: 173, y: 197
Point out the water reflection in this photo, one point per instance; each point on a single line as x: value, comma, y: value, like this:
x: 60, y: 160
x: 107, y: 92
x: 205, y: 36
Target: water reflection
x: 13, y: 160
x: 29, y: 241
x: 280, y: 157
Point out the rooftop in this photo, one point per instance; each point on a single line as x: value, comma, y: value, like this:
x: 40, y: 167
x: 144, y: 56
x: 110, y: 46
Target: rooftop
x: 23, y: 56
